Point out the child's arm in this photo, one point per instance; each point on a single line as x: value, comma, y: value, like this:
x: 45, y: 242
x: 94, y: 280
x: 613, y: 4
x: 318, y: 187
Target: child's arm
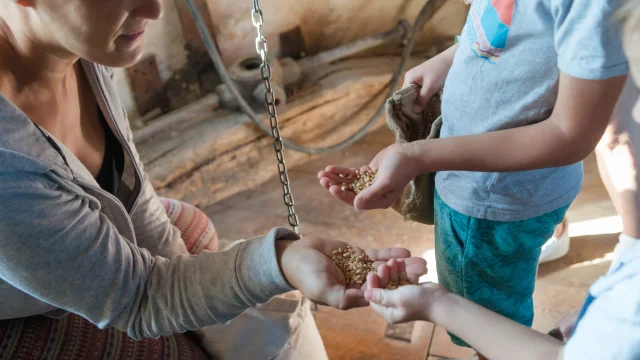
x: 581, y: 115
x: 492, y: 335
x: 430, y: 76
x: 571, y: 133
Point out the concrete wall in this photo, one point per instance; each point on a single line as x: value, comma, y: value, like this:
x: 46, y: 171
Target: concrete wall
x: 165, y: 40
x: 325, y: 24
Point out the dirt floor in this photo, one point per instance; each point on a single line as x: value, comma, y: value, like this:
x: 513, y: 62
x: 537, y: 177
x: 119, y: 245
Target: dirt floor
x: 360, y: 334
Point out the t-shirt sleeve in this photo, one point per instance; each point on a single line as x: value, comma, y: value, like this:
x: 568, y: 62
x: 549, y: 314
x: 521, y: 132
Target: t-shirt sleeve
x: 588, y: 40
x: 610, y: 329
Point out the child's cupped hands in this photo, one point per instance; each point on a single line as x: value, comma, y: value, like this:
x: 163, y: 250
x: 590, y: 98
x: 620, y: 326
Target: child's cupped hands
x: 406, y: 303
x: 395, y: 167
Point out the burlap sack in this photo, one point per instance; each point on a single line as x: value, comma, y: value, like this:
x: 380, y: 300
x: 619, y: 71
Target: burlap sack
x: 416, y: 203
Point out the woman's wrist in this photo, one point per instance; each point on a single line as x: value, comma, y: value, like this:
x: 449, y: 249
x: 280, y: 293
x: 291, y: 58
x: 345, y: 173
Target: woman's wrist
x: 281, y: 247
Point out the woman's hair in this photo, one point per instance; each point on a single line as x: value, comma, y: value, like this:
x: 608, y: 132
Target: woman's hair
x: 629, y: 13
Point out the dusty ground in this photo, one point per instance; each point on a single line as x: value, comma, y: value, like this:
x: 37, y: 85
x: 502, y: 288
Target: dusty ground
x: 359, y: 334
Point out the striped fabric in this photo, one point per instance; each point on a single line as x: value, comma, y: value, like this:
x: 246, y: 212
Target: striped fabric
x: 73, y: 337
x: 197, y: 230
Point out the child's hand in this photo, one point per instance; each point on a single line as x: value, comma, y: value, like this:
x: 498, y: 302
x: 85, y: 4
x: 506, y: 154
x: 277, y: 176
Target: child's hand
x: 430, y: 76
x: 404, y: 304
x: 395, y: 169
x: 407, y: 303
x: 330, y: 179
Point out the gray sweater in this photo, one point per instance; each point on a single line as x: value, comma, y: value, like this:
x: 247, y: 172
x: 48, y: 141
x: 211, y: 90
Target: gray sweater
x: 68, y: 246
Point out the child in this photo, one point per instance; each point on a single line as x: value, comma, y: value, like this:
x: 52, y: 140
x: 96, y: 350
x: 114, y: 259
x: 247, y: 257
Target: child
x: 530, y: 88
x: 607, y: 327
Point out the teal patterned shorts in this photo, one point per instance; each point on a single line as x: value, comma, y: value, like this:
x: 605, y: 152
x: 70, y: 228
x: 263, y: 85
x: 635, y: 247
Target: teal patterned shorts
x: 491, y: 263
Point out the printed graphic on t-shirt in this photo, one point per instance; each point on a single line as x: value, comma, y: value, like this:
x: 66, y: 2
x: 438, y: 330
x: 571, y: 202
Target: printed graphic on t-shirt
x: 488, y: 27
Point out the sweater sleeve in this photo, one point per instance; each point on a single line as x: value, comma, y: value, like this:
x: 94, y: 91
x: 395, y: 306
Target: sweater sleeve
x: 153, y: 228
x: 58, y: 247
x: 151, y: 224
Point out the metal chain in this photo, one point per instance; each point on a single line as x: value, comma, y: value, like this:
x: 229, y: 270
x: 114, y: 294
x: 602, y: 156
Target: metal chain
x: 270, y: 102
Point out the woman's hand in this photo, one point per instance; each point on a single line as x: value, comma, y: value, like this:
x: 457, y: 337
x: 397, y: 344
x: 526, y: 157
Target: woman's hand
x: 407, y: 303
x: 307, y: 266
x: 395, y: 169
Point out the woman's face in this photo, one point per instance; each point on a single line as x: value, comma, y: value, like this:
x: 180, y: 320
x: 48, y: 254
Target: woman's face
x: 108, y: 32
x: 631, y: 34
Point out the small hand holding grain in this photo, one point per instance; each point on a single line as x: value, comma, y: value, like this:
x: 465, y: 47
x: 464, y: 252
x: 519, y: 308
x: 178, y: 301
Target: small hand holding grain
x: 407, y: 303
x: 331, y: 180
x: 405, y: 268
x: 395, y: 169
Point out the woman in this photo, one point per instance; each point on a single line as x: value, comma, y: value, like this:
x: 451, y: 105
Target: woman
x: 81, y: 229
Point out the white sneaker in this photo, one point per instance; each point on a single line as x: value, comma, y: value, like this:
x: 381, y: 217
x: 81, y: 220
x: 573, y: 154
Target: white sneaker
x: 555, y: 248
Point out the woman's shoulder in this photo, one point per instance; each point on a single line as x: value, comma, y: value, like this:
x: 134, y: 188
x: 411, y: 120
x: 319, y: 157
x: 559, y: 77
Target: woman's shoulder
x: 24, y: 149
x: 23, y: 179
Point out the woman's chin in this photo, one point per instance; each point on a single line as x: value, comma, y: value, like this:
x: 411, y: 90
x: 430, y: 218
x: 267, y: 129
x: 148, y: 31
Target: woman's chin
x: 121, y: 58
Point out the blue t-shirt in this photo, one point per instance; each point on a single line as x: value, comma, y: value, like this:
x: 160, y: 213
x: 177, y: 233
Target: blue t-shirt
x: 505, y: 75
x: 609, y: 325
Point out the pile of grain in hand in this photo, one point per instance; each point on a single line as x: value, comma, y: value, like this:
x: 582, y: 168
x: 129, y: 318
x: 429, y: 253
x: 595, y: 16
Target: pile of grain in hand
x: 356, y: 267
x: 362, y: 180
x: 392, y: 285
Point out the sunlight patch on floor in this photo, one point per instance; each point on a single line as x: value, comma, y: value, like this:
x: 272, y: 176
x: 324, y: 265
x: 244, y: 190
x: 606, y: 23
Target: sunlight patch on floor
x: 431, y: 275
x: 606, y: 259
x: 599, y: 226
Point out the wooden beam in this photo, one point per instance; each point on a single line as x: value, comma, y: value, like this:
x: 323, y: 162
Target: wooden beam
x: 165, y: 122
x: 225, y: 155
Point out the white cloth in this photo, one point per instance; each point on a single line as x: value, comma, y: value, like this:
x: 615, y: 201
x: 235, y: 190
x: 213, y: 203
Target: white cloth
x: 624, y: 245
x: 282, y: 329
x: 610, y: 327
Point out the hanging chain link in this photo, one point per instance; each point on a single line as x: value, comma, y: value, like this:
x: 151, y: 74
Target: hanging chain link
x: 270, y: 101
